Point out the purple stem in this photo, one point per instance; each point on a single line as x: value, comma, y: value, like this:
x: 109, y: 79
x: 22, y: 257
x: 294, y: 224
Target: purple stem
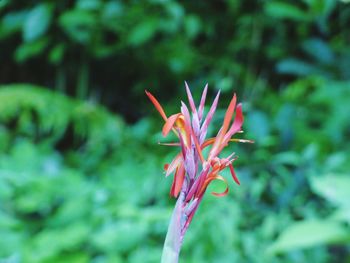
x: 173, y: 239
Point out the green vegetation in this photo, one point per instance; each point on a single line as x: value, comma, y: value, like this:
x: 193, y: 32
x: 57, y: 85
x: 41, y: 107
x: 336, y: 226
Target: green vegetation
x: 80, y: 169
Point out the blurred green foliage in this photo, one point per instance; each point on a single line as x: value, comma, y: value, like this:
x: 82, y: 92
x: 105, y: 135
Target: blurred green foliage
x: 96, y: 48
x: 80, y: 182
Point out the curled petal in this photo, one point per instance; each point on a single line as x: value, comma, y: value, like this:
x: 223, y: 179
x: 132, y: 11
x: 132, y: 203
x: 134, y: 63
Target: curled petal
x: 222, y: 193
x: 209, y: 180
x: 203, y: 180
x: 156, y: 104
x: 169, y: 123
x: 234, y: 174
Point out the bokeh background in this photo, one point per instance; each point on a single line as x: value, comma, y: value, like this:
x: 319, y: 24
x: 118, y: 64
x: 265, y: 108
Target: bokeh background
x: 81, y: 175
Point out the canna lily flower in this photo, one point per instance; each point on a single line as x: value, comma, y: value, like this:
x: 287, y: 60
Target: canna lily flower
x: 193, y: 172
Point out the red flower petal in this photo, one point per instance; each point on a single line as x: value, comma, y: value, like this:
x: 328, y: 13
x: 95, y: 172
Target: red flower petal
x: 234, y: 174
x: 236, y: 125
x: 228, y: 115
x: 209, y: 180
x: 156, y: 104
x: 178, y: 180
x: 169, y: 123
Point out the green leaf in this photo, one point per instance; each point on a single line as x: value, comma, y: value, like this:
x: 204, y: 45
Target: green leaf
x: 288, y: 158
x: 112, y: 11
x: 116, y: 236
x: 334, y: 188
x: 78, y: 24
x: 321, y: 7
x: 342, y: 214
x: 258, y: 119
x: 193, y: 25
x: 283, y: 10
x: 51, y: 242
x: 10, y: 241
x: 89, y: 4
x: 56, y: 54
x: 319, y: 50
x: 143, y: 32
x: 310, y: 233
x: 28, y: 50
x: 79, y: 257
x: 12, y: 23
x: 296, y: 67
x: 37, y: 22
x: 4, y: 3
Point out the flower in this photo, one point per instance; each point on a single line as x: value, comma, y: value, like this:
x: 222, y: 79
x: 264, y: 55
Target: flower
x: 193, y: 171
x: 191, y: 134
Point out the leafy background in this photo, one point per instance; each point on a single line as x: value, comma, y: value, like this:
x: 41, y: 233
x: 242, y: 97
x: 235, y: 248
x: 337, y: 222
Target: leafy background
x: 80, y: 169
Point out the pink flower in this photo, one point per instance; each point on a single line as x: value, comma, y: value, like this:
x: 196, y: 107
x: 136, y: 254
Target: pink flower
x: 193, y: 171
x: 191, y: 134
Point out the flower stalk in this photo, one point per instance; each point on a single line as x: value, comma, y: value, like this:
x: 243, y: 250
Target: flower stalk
x: 193, y: 171
x: 173, y: 239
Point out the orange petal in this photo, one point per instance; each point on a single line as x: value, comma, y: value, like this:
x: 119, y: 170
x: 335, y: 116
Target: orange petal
x: 178, y: 181
x: 236, y: 125
x: 169, y: 123
x: 209, y: 180
x: 156, y: 104
x: 215, y: 150
x: 228, y: 114
x: 208, y: 142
